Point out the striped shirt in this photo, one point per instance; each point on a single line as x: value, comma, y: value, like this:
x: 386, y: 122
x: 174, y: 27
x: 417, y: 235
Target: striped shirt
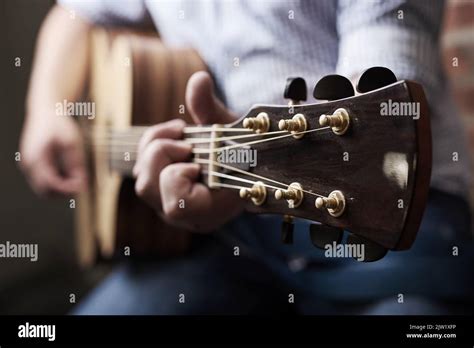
x: 251, y: 47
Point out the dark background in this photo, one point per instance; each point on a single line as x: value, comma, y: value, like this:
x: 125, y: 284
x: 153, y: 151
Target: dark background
x: 44, y: 287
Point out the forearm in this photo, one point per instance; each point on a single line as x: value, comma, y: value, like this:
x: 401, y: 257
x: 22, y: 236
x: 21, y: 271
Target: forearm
x: 61, y: 61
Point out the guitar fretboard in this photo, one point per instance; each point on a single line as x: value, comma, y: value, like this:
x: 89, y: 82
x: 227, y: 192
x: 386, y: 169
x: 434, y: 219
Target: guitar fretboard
x: 120, y: 147
x: 209, y: 143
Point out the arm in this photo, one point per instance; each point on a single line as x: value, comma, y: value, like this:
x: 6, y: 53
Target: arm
x: 403, y: 35
x: 51, y: 146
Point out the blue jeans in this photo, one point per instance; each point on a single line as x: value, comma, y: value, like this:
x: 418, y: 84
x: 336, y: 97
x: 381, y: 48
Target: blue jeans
x: 272, y: 278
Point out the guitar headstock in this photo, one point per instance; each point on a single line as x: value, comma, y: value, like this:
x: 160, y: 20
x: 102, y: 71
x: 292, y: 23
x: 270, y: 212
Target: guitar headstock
x: 361, y: 163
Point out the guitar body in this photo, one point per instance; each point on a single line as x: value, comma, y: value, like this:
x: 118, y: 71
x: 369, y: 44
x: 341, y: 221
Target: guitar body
x: 135, y: 80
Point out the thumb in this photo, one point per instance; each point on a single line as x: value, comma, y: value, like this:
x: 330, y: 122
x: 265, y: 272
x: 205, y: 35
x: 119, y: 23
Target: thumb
x: 204, y: 106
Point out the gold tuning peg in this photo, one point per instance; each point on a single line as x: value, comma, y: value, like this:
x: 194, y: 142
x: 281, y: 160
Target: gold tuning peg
x: 259, y: 124
x: 294, y: 125
x: 335, y: 203
x: 257, y: 193
x: 293, y: 195
x: 339, y: 121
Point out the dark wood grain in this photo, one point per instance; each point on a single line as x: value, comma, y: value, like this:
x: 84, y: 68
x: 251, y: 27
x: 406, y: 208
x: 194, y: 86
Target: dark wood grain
x: 159, y: 77
x: 317, y: 162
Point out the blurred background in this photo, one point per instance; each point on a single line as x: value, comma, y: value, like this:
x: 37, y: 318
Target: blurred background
x: 45, y: 286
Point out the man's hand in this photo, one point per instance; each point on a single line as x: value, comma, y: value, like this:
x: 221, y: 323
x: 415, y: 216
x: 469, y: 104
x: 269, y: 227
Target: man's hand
x: 51, y: 145
x: 170, y: 184
x: 52, y: 155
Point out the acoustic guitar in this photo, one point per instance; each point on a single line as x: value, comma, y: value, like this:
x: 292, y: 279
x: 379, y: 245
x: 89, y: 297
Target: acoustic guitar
x: 359, y: 163
x: 134, y: 80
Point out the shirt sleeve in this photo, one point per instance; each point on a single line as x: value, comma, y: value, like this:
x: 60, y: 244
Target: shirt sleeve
x: 401, y: 35
x: 129, y: 13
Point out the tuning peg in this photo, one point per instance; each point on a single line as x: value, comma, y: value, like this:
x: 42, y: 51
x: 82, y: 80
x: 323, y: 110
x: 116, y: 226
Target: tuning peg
x: 296, y: 125
x: 259, y: 124
x: 332, y: 87
x: 322, y: 235
x: 257, y: 193
x: 372, y: 251
x: 287, y: 228
x: 339, y: 121
x: 374, y: 78
x: 295, y: 90
x: 335, y: 203
x: 293, y: 195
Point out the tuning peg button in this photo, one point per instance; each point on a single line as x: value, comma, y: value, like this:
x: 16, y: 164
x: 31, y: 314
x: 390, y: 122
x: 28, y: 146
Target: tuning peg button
x: 322, y: 235
x: 287, y: 229
x: 371, y: 252
x: 332, y: 87
x: 374, y: 78
x: 295, y: 90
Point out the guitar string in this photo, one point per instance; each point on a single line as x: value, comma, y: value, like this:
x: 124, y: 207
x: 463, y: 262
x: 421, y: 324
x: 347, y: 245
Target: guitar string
x: 202, y: 150
x: 187, y: 129
x: 228, y: 186
x: 225, y: 166
x: 238, y: 170
x: 199, y: 160
x: 118, y: 138
x: 211, y: 140
x: 133, y: 130
x: 117, y: 141
x: 110, y: 144
x: 198, y: 129
x: 235, y: 146
x: 219, y: 184
x: 236, y: 178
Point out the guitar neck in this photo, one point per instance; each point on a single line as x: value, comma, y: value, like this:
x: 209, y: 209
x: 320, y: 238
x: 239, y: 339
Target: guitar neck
x: 121, y: 146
